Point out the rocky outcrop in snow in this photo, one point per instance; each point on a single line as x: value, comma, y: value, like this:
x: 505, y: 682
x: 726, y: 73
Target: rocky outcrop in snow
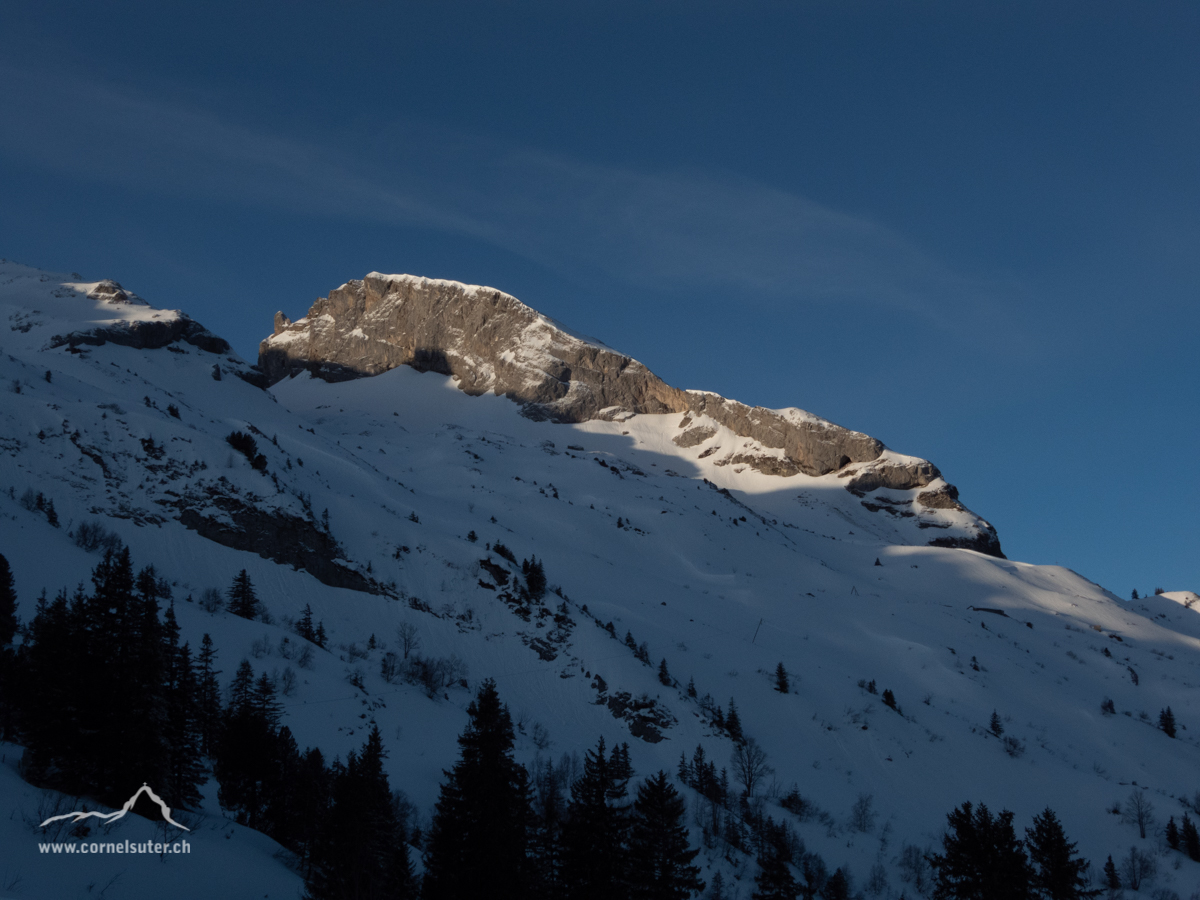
x: 491, y: 342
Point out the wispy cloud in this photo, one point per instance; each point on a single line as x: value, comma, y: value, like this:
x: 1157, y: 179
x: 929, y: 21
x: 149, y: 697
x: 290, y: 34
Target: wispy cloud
x: 663, y: 230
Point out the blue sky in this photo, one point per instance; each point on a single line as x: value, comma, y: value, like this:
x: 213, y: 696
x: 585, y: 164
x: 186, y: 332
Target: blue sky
x: 971, y: 232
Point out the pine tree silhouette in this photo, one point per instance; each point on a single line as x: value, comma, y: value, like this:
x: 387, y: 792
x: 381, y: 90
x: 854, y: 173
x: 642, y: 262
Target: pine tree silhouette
x: 208, y: 695
x: 837, y: 887
x: 101, y: 678
x: 1190, y: 838
x: 1058, y: 873
x: 360, y: 850
x: 774, y: 880
x: 304, y: 627
x: 595, y: 836
x: 8, y: 670
x: 479, y: 838
x: 982, y: 858
x: 1112, y: 880
x: 1166, y: 721
x: 535, y: 579
x: 545, y: 844
x: 242, y: 600
x: 245, y: 750
x: 185, y: 771
x: 660, y: 863
x: 781, y: 679
x: 733, y: 723
x: 8, y: 604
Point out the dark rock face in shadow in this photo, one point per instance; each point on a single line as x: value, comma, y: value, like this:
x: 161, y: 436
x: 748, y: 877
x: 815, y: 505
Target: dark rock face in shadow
x: 146, y: 335
x: 985, y: 542
x: 285, y: 539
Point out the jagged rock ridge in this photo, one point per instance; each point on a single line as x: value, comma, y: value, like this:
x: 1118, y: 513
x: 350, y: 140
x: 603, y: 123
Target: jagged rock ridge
x: 492, y: 342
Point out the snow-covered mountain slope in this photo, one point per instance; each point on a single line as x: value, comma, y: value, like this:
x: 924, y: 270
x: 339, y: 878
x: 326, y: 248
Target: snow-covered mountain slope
x: 723, y: 571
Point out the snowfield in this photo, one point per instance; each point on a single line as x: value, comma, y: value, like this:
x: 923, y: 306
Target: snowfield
x: 720, y: 570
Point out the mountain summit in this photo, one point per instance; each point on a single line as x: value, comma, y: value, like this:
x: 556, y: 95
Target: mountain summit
x: 491, y: 342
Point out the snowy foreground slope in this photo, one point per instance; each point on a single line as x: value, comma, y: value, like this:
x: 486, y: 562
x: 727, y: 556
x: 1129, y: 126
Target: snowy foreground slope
x: 723, y: 571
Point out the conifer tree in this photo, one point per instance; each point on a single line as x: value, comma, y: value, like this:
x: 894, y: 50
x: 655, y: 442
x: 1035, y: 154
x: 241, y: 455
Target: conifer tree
x: 8, y: 604
x: 620, y: 770
x: 1190, y: 838
x: 664, y: 677
x: 360, y: 851
x: 100, y: 736
x: 981, y: 859
x: 837, y: 887
x: 996, y: 727
x: 660, y: 864
x: 208, y: 699
x: 241, y: 688
x: 595, y: 836
x: 816, y: 876
x: 774, y: 880
x: 1058, y: 874
x: 684, y: 772
x: 311, y: 798
x: 545, y: 843
x: 1166, y: 722
x: 1112, y: 880
x: 263, y: 701
x: 733, y: 724
x: 1172, y: 834
x: 781, y: 679
x: 132, y: 742
x: 51, y: 701
x: 242, y: 599
x: 185, y: 772
x: 535, y: 579
x: 478, y: 841
x: 246, y: 749
x: 304, y: 627
x: 8, y: 670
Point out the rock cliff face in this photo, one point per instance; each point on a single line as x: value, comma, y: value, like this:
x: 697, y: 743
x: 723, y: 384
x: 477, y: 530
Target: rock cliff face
x: 492, y: 342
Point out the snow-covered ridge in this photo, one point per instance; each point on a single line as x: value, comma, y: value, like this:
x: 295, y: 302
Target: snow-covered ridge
x: 491, y: 342
x: 56, y: 309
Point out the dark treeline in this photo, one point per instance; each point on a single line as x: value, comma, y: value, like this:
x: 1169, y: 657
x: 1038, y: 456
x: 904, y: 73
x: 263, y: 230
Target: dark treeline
x: 497, y: 834
x: 104, y: 696
x: 983, y: 859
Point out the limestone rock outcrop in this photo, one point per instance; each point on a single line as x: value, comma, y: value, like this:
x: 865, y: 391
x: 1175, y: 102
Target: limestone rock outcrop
x: 491, y: 342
